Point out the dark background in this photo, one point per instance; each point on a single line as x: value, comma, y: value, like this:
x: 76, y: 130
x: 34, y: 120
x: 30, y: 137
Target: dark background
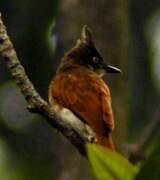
x: 127, y: 33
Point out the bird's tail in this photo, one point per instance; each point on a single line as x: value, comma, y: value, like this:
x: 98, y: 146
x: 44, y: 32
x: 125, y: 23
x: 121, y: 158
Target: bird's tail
x: 106, y: 141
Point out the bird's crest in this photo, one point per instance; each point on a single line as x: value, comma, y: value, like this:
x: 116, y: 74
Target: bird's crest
x: 84, y: 47
x: 86, y: 37
x: 86, y: 34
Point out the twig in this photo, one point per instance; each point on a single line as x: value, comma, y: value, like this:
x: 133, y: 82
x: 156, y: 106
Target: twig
x: 137, y: 151
x: 64, y: 121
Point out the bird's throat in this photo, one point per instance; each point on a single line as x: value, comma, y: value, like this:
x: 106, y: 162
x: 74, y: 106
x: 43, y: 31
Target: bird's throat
x: 100, y: 72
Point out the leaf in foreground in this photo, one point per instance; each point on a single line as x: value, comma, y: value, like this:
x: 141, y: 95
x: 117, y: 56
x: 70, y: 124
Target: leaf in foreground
x: 109, y: 165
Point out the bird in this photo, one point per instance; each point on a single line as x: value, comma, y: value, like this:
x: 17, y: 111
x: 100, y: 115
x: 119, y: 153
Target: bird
x: 79, y: 86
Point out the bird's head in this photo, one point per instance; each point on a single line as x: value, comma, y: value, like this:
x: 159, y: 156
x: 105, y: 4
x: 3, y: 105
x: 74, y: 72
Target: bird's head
x: 86, y: 53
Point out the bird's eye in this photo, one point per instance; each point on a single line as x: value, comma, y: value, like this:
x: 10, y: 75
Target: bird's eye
x: 95, y: 60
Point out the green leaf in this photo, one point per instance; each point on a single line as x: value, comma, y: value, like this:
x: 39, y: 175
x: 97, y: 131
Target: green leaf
x: 109, y: 165
x: 151, y: 168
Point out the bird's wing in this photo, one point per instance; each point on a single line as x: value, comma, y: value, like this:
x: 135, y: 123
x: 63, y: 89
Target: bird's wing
x: 88, y: 97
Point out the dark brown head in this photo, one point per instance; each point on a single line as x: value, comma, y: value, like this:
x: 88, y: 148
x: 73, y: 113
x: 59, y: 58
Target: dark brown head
x: 86, y: 54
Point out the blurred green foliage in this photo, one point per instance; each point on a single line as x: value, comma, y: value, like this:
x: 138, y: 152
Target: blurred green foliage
x: 143, y: 95
x: 30, y: 25
x: 13, y: 167
x: 150, y: 168
x: 111, y: 165
x: 28, y: 140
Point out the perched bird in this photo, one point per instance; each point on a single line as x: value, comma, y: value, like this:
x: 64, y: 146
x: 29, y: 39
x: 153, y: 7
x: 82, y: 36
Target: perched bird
x: 79, y: 87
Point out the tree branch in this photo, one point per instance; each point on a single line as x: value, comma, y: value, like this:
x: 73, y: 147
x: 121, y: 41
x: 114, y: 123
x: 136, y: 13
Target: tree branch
x: 64, y: 120
x: 137, y: 150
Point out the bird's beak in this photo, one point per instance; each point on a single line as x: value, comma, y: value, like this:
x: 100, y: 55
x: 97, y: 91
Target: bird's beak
x: 111, y: 69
